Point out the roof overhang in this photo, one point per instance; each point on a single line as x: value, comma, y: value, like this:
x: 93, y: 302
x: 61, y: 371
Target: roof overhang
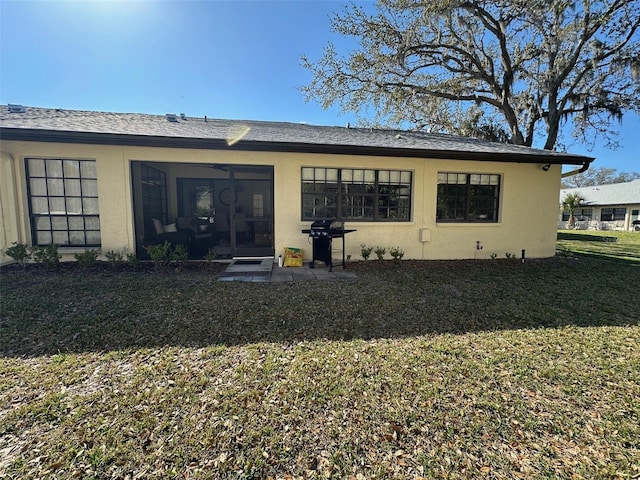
x: 91, y: 138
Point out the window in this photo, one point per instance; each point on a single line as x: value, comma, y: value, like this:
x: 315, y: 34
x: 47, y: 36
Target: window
x: 257, y: 204
x: 195, y: 197
x: 612, y: 214
x: 580, y: 214
x: 356, y: 194
x: 468, y: 197
x: 154, y: 193
x: 63, y: 202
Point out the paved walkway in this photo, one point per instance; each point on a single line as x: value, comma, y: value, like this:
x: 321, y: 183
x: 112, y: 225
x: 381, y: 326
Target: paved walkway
x: 265, y: 271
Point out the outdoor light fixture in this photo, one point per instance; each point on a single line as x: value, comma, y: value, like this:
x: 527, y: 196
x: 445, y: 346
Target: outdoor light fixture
x: 546, y: 167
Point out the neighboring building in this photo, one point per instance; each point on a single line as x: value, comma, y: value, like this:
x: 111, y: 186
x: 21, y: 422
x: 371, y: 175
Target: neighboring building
x: 116, y: 181
x: 606, y: 207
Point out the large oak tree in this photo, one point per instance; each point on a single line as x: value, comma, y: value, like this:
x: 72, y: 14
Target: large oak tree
x: 507, y: 70
x: 598, y: 176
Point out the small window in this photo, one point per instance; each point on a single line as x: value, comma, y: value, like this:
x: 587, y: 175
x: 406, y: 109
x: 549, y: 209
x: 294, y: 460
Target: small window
x: 257, y: 204
x: 612, y: 214
x: 63, y: 202
x: 580, y: 214
x: 468, y: 197
x: 154, y: 193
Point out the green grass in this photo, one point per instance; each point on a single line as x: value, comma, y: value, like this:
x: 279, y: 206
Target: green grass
x: 491, y: 369
x: 612, y: 245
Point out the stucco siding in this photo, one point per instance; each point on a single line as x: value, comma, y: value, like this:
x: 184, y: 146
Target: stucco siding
x: 527, y: 212
x: 10, y: 230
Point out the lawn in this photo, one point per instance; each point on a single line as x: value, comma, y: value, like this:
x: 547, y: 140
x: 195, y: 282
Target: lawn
x: 487, y: 369
x: 617, y: 245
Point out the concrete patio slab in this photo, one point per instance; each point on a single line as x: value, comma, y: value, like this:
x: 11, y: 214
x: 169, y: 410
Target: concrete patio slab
x: 264, y: 270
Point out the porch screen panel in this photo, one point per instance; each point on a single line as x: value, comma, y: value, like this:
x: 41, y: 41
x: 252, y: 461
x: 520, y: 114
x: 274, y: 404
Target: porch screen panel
x: 63, y: 202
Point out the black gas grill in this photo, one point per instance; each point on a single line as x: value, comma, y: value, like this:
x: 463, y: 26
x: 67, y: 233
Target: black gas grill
x: 321, y: 235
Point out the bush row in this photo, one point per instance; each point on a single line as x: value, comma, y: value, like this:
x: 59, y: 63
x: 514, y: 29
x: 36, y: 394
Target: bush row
x: 396, y: 252
x: 48, y: 256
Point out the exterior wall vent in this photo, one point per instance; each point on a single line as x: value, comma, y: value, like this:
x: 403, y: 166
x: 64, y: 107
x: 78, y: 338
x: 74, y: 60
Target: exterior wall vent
x: 16, y: 108
x: 171, y: 117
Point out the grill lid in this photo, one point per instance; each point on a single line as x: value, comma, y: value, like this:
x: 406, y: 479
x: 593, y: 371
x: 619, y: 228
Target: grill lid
x: 327, y: 224
x: 322, y: 224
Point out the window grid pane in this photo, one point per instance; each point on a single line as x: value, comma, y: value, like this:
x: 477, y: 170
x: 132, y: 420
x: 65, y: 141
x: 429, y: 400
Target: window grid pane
x: 59, y: 192
x: 53, y: 168
x: 36, y: 167
x: 43, y: 237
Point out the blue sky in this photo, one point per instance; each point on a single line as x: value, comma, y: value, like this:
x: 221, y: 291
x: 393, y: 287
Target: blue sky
x: 223, y: 59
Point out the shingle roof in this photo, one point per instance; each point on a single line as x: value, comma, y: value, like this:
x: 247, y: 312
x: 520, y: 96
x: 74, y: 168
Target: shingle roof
x: 613, y: 194
x: 45, y: 124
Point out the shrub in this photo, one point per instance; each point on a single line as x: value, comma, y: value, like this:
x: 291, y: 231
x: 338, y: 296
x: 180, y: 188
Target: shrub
x: 380, y: 251
x: 365, y: 251
x: 179, y: 255
x: 132, y: 259
x: 160, y: 254
x: 164, y: 254
x: 19, y: 252
x: 46, y: 256
x: 397, y: 253
x: 87, y: 259
x: 211, y: 255
x: 114, y: 258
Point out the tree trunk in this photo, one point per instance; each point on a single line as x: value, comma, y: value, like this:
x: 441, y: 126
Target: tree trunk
x: 552, y: 134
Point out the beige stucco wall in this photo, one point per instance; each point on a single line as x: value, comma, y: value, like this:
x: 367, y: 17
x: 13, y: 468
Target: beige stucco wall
x: 10, y: 203
x: 528, y: 203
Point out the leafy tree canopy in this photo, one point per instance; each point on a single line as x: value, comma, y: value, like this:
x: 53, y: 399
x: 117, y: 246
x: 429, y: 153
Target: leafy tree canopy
x: 505, y: 70
x: 598, y: 176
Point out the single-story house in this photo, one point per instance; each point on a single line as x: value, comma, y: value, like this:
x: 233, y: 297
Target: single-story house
x: 114, y: 181
x: 605, y: 207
